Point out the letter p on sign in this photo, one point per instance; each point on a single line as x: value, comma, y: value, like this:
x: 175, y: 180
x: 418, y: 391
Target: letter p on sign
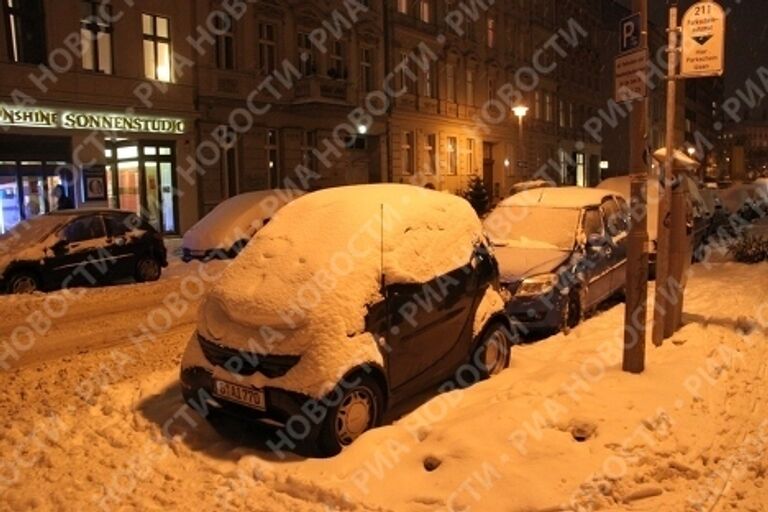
x: 630, y: 33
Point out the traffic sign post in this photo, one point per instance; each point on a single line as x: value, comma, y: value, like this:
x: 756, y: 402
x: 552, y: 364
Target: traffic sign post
x: 703, y: 40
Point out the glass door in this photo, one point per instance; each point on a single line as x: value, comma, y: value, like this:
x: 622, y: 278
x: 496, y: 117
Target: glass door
x: 10, y: 211
x: 152, y: 187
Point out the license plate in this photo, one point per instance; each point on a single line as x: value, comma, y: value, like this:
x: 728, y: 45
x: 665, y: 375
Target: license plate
x: 250, y: 397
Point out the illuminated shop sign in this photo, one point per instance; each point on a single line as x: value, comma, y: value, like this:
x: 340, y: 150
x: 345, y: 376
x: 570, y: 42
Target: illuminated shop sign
x: 80, y: 120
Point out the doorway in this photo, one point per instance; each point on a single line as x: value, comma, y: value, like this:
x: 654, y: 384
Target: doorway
x: 26, y: 189
x: 141, y: 179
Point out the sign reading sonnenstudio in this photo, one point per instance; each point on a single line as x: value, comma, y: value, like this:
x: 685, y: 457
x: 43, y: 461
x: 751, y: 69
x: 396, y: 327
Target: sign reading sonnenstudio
x: 79, y: 120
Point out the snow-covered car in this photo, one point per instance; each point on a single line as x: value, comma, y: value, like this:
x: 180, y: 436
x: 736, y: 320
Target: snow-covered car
x: 351, y: 316
x: 75, y: 247
x: 701, y: 220
x: 230, y: 225
x: 561, y: 252
x: 530, y: 185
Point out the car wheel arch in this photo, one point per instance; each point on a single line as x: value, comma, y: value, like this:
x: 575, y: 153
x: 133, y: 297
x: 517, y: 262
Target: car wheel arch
x: 377, y: 373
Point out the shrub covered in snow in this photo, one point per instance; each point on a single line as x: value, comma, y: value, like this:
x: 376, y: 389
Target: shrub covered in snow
x: 750, y: 249
x: 477, y: 195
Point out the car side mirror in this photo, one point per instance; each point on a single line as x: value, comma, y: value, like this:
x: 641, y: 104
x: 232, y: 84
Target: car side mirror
x: 60, y: 246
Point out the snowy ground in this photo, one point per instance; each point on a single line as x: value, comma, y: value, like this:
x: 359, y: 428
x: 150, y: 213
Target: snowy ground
x: 107, y: 430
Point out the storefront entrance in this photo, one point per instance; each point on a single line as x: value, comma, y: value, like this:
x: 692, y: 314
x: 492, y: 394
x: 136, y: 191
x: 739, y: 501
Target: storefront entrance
x: 141, y: 178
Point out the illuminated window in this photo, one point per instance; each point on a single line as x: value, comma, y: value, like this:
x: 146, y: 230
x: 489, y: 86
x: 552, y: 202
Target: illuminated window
x: 425, y: 12
x: 408, y: 154
x: 157, y: 47
x: 548, y: 107
x: 430, y: 87
x: 407, y: 77
x: 537, y: 105
x: 96, y: 36
x: 431, y: 150
x: 267, y: 48
x: 471, y: 156
x: 453, y: 156
x: 402, y: 6
x: 25, y: 26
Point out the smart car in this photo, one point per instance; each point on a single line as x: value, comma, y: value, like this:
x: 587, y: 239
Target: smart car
x: 561, y: 252
x: 349, y: 301
x: 74, y: 247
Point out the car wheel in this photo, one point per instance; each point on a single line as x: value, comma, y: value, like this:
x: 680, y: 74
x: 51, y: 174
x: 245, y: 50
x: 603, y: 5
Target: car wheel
x: 571, y: 313
x: 147, y: 269
x: 494, y: 351
x: 23, y: 282
x: 359, y: 408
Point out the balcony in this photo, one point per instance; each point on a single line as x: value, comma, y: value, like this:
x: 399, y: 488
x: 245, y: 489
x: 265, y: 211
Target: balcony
x: 321, y: 89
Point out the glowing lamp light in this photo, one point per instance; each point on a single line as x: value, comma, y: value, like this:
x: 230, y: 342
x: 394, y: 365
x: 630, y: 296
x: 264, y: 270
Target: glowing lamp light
x: 362, y: 129
x: 520, y: 111
x: 691, y: 151
x: 506, y: 162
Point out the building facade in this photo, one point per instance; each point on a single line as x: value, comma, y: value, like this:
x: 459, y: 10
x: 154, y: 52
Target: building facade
x: 169, y: 107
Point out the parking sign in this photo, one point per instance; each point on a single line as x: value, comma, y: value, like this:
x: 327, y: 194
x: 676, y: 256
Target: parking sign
x: 630, y: 33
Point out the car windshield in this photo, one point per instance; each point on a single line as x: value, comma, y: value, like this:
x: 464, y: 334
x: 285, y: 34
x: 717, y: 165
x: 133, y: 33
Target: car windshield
x: 31, y: 231
x: 535, y: 227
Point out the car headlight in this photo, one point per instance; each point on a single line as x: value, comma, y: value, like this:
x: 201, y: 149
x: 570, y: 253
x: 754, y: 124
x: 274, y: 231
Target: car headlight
x: 537, y: 285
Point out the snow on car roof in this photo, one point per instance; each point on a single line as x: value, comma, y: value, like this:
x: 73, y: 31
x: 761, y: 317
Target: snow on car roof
x: 565, y: 197
x: 321, y: 255
x: 236, y: 218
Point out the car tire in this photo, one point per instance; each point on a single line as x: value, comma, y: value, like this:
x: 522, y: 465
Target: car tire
x: 572, y: 311
x: 359, y: 409
x: 147, y: 269
x: 494, y: 351
x: 22, y: 283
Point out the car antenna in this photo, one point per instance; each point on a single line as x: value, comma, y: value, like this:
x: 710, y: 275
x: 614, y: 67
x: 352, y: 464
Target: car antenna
x: 383, y: 279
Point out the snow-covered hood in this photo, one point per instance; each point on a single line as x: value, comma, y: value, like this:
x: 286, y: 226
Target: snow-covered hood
x: 516, y: 263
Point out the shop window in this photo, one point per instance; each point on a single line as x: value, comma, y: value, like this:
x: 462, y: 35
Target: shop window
x: 267, y: 48
x: 25, y: 26
x: 96, y: 36
x: 225, y: 41
x: 272, y: 148
x: 157, y: 47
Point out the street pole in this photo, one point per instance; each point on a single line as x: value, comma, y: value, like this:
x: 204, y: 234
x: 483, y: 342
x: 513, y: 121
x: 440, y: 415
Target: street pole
x: 637, y: 256
x: 661, y: 304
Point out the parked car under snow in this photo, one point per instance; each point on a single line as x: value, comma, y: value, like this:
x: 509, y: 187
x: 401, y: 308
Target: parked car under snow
x: 79, y: 247
x: 561, y: 252
x: 229, y: 226
x: 393, y: 296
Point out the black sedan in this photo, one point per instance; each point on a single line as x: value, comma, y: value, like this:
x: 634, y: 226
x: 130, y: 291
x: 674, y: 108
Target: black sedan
x: 79, y: 247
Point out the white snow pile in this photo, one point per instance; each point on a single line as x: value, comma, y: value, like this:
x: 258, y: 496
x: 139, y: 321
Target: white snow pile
x: 236, y: 219
x: 563, y: 429
x: 317, y: 266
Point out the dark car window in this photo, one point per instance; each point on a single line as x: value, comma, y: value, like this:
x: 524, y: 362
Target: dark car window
x: 615, y: 218
x: 119, y: 225
x: 86, y: 228
x: 593, y: 223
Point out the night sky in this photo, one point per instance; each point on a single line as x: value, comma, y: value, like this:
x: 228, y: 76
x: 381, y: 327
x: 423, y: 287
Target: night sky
x: 746, y: 36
